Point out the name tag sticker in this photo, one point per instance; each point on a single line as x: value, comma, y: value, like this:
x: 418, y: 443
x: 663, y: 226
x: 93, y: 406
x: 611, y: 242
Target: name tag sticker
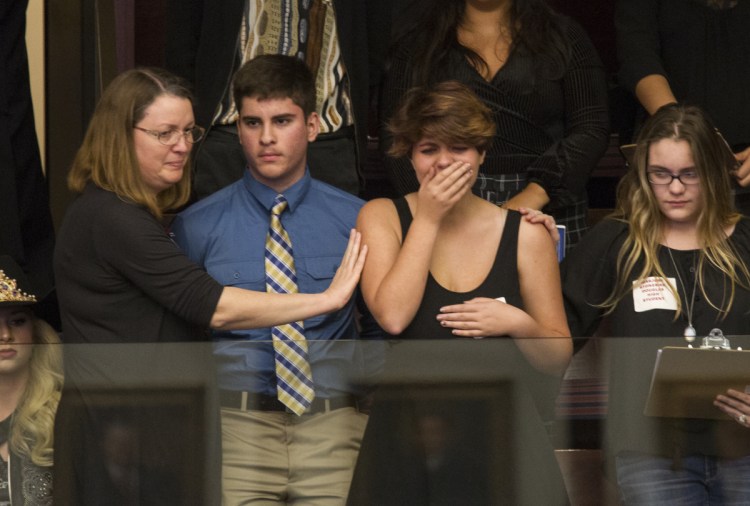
x: 654, y: 293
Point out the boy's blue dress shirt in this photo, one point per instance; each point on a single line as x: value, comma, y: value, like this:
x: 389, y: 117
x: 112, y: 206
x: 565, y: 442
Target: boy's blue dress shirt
x: 225, y: 233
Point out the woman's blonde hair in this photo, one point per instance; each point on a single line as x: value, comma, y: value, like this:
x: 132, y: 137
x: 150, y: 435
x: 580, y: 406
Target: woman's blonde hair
x: 107, y: 156
x: 638, y: 207
x: 32, y: 429
x: 448, y: 112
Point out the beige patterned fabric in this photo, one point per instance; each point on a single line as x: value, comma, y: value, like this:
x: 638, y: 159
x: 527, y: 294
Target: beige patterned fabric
x: 306, y: 30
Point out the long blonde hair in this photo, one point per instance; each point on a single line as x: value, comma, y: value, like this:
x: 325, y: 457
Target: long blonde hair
x: 107, y: 155
x: 637, y: 206
x: 32, y: 428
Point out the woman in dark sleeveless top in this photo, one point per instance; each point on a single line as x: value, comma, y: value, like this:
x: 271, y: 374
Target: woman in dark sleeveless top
x: 443, y: 263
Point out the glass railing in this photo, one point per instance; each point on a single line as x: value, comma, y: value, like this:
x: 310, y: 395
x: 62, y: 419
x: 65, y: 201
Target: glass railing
x: 449, y: 422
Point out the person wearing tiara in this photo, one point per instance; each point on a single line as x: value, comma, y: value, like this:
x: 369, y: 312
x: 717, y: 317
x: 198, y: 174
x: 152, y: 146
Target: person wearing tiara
x: 30, y: 383
x: 669, y: 262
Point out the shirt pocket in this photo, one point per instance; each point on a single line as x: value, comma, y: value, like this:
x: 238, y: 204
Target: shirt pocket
x: 319, y: 271
x: 314, y: 275
x: 250, y: 275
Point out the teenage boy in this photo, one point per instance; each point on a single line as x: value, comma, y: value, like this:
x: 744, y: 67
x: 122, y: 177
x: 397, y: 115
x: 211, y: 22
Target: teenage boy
x: 291, y: 420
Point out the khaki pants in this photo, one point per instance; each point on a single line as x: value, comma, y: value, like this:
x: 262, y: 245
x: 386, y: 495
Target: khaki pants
x: 272, y: 458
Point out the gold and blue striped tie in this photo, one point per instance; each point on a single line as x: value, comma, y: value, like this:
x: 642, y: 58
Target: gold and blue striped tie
x: 294, y: 383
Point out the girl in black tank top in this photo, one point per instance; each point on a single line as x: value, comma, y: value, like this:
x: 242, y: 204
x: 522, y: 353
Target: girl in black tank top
x: 444, y: 263
x: 502, y: 281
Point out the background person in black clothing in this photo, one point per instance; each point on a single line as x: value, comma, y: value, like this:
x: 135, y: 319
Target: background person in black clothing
x: 541, y: 77
x: 26, y: 230
x: 691, y: 51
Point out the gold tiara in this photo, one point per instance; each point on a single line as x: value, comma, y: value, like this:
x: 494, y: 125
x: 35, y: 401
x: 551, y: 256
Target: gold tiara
x: 9, y: 291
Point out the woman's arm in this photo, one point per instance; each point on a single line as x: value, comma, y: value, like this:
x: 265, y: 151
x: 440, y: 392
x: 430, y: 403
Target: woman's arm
x: 245, y: 309
x: 531, y: 197
x: 653, y: 92
x: 639, y: 50
x: 395, y: 274
x: 540, y: 329
x: 563, y: 169
x: 589, y: 274
x: 133, y: 244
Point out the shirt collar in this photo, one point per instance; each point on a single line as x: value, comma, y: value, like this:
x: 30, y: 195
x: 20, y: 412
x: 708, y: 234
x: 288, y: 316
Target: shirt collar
x: 295, y: 194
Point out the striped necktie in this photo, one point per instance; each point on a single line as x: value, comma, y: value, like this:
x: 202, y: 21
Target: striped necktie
x: 293, y: 376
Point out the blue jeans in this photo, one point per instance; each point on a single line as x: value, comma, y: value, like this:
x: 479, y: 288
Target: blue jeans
x: 650, y: 480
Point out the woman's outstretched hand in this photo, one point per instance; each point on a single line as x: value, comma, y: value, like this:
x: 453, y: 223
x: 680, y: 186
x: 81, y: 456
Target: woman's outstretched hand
x: 347, y: 275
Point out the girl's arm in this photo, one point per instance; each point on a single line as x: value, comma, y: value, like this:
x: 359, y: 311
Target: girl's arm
x: 539, y: 276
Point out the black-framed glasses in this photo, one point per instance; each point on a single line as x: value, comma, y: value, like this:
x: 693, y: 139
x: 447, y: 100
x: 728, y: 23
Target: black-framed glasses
x: 172, y: 137
x: 663, y: 177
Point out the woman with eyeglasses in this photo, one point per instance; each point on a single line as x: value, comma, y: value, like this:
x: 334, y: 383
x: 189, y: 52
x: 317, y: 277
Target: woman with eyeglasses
x: 121, y: 279
x: 669, y: 263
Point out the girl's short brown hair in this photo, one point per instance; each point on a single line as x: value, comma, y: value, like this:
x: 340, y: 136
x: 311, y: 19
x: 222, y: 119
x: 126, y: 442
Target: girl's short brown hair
x: 448, y: 112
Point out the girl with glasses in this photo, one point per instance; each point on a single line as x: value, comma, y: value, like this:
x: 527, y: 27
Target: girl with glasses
x: 670, y: 262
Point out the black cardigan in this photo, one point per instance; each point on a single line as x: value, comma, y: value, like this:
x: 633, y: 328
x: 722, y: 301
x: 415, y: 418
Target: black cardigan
x: 703, y: 53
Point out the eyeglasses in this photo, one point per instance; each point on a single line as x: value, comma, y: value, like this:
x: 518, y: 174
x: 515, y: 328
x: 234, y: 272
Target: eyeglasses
x: 662, y: 177
x: 172, y: 137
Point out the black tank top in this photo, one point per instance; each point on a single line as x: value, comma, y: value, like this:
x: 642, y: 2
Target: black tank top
x: 502, y: 281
